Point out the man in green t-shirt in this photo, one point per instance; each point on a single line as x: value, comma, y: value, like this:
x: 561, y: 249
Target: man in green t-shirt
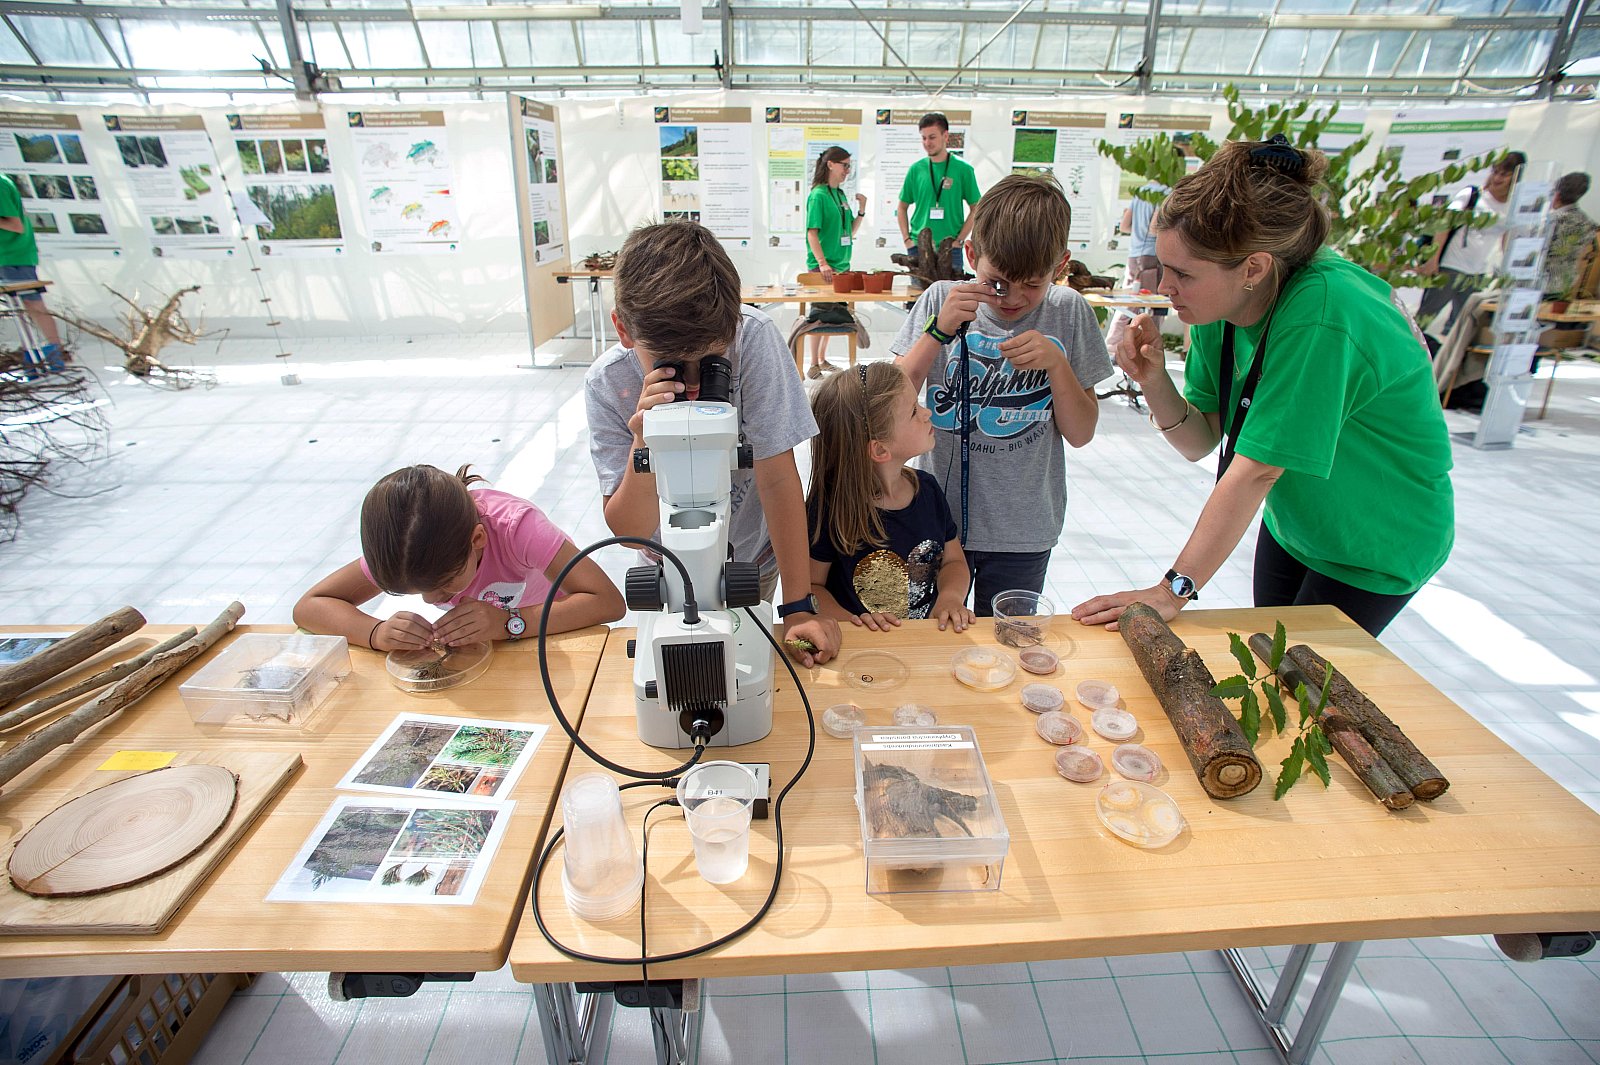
x: 19, y: 262
x: 937, y: 191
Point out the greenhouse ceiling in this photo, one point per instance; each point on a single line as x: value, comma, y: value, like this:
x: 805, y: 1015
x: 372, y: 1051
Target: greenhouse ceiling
x: 393, y: 49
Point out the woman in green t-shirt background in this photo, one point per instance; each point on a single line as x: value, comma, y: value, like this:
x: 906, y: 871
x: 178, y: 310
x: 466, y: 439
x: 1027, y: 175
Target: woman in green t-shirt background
x: 830, y: 234
x: 1315, y: 383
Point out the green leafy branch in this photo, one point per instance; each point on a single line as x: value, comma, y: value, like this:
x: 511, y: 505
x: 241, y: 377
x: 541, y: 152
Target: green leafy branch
x: 1311, y: 746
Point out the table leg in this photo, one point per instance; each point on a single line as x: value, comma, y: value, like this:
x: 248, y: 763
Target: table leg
x: 595, y: 339
x: 1299, y: 1047
x: 1555, y: 365
x: 568, y: 1020
x: 32, y: 343
x: 676, y: 1034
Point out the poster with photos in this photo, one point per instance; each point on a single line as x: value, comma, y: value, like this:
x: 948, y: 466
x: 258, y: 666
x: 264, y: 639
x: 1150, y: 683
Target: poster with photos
x: 62, y: 194
x: 796, y: 137
x: 1063, y: 144
x: 421, y: 754
x: 288, y: 176
x: 546, y: 209
x: 172, y: 172
x: 396, y: 851
x: 707, y: 159
x: 405, y: 177
x: 1427, y: 139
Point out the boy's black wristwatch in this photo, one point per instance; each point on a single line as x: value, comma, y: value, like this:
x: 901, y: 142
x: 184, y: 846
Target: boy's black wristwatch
x: 933, y: 330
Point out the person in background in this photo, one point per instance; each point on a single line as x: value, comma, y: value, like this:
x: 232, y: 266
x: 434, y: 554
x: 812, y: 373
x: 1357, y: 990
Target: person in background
x: 1462, y: 256
x: 489, y: 556
x: 1306, y: 371
x: 937, y: 191
x: 19, y: 261
x: 830, y: 238
x: 1144, y: 269
x: 1571, y: 236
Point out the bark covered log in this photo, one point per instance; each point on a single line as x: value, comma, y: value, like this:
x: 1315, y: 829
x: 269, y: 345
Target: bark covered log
x: 1409, y: 764
x: 74, y: 650
x: 1342, y: 732
x: 1216, y: 746
x: 28, y: 711
x: 124, y: 693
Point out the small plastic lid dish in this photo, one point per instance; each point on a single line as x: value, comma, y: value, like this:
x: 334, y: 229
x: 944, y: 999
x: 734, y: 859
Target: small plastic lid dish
x: 915, y: 714
x: 874, y: 670
x: 983, y: 670
x: 1098, y: 695
x: 1040, y: 660
x: 1136, y: 762
x: 1139, y: 813
x: 1042, y: 698
x: 1079, y: 764
x: 1115, y: 725
x: 437, y: 669
x: 842, y: 721
x: 1058, y: 727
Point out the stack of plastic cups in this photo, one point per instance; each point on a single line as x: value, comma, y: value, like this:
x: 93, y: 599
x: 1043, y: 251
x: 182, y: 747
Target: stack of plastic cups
x: 601, y: 871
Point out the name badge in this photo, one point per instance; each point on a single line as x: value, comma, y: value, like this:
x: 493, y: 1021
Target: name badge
x: 946, y: 185
x: 844, y: 241
x: 937, y: 214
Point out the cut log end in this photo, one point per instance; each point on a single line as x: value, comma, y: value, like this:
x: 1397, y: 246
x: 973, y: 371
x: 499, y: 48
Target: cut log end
x: 1230, y: 776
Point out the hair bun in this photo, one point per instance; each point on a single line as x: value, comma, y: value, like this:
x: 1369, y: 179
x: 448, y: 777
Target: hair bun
x: 1278, y: 154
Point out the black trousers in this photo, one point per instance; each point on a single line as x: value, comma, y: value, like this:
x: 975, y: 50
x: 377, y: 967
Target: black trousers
x: 1282, y: 580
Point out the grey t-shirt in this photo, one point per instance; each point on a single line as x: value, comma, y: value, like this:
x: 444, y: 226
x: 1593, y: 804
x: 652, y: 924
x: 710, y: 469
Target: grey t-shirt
x: 1017, y: 479
x: 774, y: 416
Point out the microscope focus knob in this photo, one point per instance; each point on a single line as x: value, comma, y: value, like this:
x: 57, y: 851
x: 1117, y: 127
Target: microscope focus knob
x: 741, y: 584
x: 642, y: 588
x: 650, y: 689
x: 633, y: 648
x: 641, y: 460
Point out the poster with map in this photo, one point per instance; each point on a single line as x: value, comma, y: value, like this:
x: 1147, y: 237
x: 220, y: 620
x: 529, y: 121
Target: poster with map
x: 404, y: 173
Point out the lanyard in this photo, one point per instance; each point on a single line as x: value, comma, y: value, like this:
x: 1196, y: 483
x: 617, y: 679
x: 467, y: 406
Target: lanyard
x: 938, y: 182
x: 844, y: 210
x: 966, y: 422
x: 1230, y: 440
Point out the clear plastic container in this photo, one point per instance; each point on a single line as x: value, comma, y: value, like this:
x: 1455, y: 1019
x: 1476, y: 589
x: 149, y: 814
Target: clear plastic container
x: 437, y: 669
x: 267, y: 681
x: 929, y: 817
x: 982, y: 669
x: 1141, y: 814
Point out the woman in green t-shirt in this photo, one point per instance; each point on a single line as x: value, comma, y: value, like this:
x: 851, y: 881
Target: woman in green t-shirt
x: 1344, y: 440
x: 830, y: 231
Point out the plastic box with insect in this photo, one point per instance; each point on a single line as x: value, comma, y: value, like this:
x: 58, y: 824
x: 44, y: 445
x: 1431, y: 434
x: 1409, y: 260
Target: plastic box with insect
x: 267, y: 681
x: 929, y: 817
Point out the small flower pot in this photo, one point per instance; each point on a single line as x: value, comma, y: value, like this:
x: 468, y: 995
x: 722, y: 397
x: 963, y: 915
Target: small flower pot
x: 843, y: 281
x: 879, y: 282
x: 1559, y: 306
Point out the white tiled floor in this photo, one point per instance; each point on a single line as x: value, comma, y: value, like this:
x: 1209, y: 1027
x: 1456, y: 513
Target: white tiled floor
x: 250, y: 490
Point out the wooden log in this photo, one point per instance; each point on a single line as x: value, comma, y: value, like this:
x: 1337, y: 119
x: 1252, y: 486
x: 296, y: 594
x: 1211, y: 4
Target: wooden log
x: 1367, y: 764
x: 28, y: 711
x: 124, y: 693
x: 1212, y: 739
x: 58, y: 657
x: 1408, y: 763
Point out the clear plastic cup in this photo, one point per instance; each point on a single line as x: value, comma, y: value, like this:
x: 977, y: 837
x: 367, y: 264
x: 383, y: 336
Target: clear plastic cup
x: 1022, y: 618
x: 601, y: 872
x: 716, y: 798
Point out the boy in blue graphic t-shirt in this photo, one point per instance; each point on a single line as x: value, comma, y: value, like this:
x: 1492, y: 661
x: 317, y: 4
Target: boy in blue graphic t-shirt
x: 1034, y: 354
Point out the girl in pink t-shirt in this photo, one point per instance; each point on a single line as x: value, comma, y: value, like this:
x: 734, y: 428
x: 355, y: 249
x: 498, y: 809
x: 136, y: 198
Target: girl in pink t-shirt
x: 488, y: 556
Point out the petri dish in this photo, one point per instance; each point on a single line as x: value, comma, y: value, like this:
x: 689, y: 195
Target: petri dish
x: 1139, y: 813
x: 841, y: 721
x: 1114, y: 725
x: 1098, y: 695
x: 437, y: 669
x: 915, y: 714
x: 983, y: 670
x: 1040, y: 660
x: 1059, y: 728
x: 874, y: 671
x: 1136, y: 762
x: 1079, y: 764
x: 1042, y: 698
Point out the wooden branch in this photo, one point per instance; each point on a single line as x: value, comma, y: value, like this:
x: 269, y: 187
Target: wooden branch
x: 79, y: 647
x: 1216, y: 746
x: 28, y: 711
x: 123, y: 694
x: 1409, y: 764
x: 1367, y: 764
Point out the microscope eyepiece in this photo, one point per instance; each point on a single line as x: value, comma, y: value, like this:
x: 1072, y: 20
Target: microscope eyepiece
x: 716, y: 379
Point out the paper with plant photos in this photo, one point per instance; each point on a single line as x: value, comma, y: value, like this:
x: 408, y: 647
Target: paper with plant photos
x: 421, y: 754
x: 396, y: 850
x: 62, y: 192
x: 288, y: 176
x: 172, y: 171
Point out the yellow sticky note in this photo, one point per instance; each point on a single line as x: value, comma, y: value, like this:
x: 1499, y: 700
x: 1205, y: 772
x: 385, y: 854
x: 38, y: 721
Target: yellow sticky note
x: 124, y: 760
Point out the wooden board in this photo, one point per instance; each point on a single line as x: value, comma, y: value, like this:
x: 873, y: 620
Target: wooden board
x: 146, y: 907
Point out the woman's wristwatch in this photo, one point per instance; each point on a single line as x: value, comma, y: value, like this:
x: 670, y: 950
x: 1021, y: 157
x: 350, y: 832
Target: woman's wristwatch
x: 1181, y: 585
